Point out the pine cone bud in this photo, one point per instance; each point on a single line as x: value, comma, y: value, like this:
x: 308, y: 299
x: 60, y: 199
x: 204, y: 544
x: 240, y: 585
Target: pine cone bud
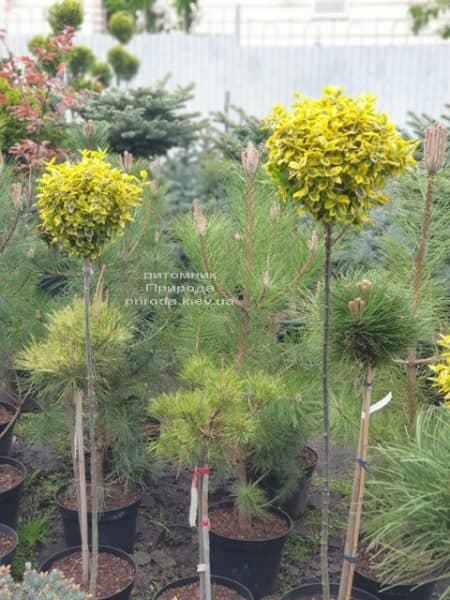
x: 313, y: 242
x: 127, y: 160
x: 274, y: 211
x: 356, y: 307
x: 199, y: 218
x: 16, y: 191
x: 250, y: 159
x: 434, y: 148
x: 89, y: 128
x: 157, y: 236
x: 364, y: 286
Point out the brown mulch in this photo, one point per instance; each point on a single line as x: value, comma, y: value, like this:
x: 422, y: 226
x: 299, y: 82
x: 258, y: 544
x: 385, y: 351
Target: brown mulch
x: 192, y: 592
x: 10, y: 476
x: 114, y: 573
x: 224, y: 521
x: 5, y: 415
x: 7, y: 543
x: 115, y: 498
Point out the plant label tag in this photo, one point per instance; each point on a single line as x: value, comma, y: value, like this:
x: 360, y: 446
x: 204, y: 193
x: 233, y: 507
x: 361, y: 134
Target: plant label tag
x: 381, y: 403
x: 194, y: 501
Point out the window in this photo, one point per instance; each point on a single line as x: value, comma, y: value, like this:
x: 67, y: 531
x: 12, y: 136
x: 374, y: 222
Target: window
x: 327, y: 7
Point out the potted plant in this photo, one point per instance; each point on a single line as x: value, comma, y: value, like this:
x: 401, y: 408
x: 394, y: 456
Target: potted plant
x: 51, y: 586
x: 220, y: 420
x: 331, y: 158
x: 408, y: 532
x: 255, y: 260
x: 82, y: 206
x: 8, y: 544
x: 372, y: 321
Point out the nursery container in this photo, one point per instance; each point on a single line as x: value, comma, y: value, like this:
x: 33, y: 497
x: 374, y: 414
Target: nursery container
x: 398, y: 592
x: 116, y: 528
x: 296, y: 503
x: 6, y: 440
x: 254, y: 563
x: 123, y: 594
x: 10, y: 499
x: 314, y: 590
x: 228, y: 583
x: 7, y: 558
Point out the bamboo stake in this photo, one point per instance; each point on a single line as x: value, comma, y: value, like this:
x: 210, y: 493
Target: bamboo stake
x: 203, y: 526
x: 359, y: 481
x: 80, y: 482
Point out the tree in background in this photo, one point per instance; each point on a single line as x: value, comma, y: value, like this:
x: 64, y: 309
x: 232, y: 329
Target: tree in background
x: 424, y: 13
x: 145, y: 121
x: 67, y: 13
x: 122, y: 26
x: 186, y: 11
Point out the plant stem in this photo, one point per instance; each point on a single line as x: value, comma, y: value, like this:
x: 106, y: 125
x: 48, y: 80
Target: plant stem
x: 80, y: 483
x: 359, y: 481
x: 326, y: 418
x: 411, y: 407
x: 243, y: 517
x: 92, y: 404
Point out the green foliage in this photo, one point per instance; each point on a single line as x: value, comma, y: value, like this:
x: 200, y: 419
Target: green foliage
x: 225, y: 418
x: 425, y: 12
x: 66, y: 13
x: 89, y: 136
x: 80, y: 60
x: 83, y: 205
x: 11, y: 129
x: 121, y: 25
x: 102, y: 72
x: 124, y: 64
x: 409, y: 505
x: 186, y: 10
x: 331, y: 156
x: 233, y: 134
x: 38, y: 586
x: 32, y: 533
x: 372, y: 321
x: 145, y: 121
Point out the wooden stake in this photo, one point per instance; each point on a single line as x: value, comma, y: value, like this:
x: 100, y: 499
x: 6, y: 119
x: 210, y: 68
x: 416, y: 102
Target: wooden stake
x: 203, y: 527
x: 359, y: 482
x: 80, y: 481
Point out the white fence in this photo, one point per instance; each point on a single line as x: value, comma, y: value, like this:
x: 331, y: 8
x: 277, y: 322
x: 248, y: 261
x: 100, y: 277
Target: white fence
x: 403, y: 78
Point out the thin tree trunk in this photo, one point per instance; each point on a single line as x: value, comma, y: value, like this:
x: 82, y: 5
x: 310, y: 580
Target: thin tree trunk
x: 80, y: 482
x: 326, y: 418
x: 244, y: 518
x: 92, y: 405
x: 359, y: 481
x: 411, y: 407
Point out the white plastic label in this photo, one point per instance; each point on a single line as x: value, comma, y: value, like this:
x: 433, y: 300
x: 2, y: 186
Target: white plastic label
x: 381, y: 403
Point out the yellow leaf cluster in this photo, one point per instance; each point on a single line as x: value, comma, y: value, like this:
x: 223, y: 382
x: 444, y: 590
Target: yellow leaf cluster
x: 442, y: 370
x: 332, y: 155
x: 82, y: 205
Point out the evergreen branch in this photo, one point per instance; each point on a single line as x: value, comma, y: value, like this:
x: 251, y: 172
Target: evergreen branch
x: 312, y: 248
x: 416, y: 361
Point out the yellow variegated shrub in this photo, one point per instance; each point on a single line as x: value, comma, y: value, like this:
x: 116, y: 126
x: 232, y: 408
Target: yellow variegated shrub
x: 83, y: 205
x: 442, y: 370
x: 333, y: 155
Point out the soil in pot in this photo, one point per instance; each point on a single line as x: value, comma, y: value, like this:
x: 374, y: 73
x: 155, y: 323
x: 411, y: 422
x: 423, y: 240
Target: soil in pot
x: 12, y: 475
x: 367, y: 579
x: 8, y: 543
x: 117, y: 521
x: 192, y: 592
x: 115, y: 572
x: 7, y: 412
x: 252, y: 559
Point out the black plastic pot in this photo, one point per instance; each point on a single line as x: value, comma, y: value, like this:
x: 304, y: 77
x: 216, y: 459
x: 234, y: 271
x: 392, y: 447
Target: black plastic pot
x: 305, y: 592
x: 294, y: 505
x: 398, y: 592
x: 10, y: 500
x: 6, y: 440
x: 228, y: 583
x: 123, y: 594
x: 116, y: 528
x: 254, y: 563
x: 7, y: 558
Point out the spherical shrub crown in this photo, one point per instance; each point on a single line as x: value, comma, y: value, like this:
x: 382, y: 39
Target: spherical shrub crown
x: 85, y: 204
x: 333, y: 155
